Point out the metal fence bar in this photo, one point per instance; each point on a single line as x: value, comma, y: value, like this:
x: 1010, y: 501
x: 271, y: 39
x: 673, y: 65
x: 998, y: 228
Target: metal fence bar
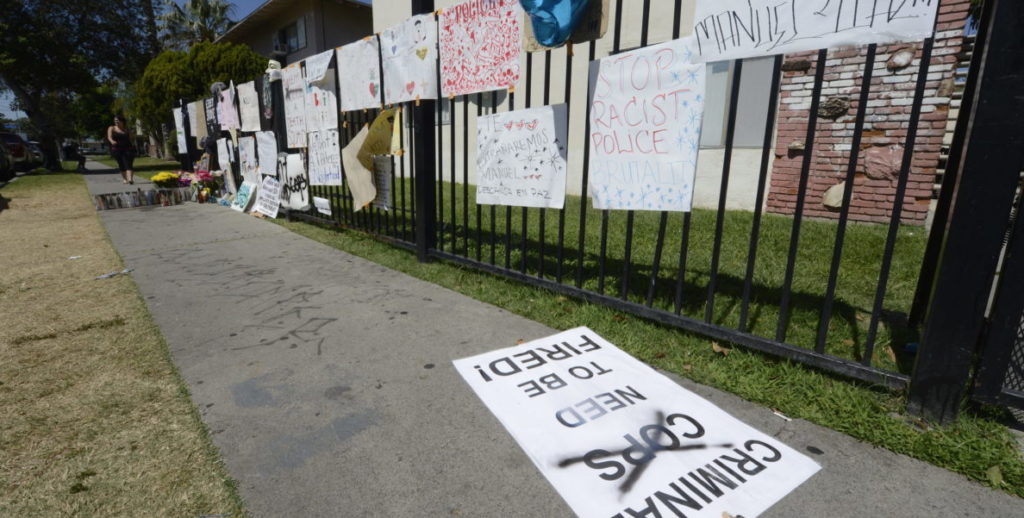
x: 560, y: 254
x: 542, y: 222
x: 451, y: 144
x: 465, y: 175
x: 479, y: 208
x: 581, y: 252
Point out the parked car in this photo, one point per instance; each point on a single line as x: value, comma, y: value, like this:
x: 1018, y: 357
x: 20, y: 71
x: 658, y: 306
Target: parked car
x: 19, y: 149
x: 37, y: 153
x: 6, y: 164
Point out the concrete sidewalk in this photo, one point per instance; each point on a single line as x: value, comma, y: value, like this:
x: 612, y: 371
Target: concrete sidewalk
x: 327, y: 383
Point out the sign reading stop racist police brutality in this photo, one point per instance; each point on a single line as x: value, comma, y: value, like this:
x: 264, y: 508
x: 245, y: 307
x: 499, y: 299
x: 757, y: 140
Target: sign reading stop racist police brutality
x: 617, y: 439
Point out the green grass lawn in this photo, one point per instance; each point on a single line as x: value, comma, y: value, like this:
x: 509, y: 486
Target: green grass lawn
x: 977, y: 445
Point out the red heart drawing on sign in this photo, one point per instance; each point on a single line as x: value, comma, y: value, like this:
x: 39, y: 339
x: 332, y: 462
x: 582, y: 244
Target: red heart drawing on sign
x: 410, y: 86
x: 532, y: 125
x: 508, y: 125
x: 373, y: 89
x: 519, y: 125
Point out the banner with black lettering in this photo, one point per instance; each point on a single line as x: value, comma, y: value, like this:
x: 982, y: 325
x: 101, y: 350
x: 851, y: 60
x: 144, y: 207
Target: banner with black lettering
x: 618, y: 439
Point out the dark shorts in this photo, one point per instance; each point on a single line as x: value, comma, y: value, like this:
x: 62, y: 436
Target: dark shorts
x: 125, y: 159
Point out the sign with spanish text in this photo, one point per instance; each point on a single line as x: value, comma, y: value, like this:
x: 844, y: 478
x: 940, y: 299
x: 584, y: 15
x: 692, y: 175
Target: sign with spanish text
x: 359, y: 75
x: 409, y: 53
x: 618, y: 439
x: 480, y: 44
x: 324, y: 158
x: 645, y: 118
x: 520, y: 157
x: 734, y: 29
x: 294, y: 87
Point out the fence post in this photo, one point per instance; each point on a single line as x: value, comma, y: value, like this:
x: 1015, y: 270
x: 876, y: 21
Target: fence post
x: 990, y: 165
x: 424, y: 163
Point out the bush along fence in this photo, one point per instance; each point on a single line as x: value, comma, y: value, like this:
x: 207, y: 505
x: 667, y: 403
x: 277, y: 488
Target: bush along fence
x: 890, y: 303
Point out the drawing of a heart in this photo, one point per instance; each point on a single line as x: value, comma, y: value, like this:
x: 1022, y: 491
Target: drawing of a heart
x: 532, y: 125
x: 508, y: 125
x: 394, y: 49
x: 519, y: 125
x: 373, y: 89
x: 410, y: 86
x: 421, y: 53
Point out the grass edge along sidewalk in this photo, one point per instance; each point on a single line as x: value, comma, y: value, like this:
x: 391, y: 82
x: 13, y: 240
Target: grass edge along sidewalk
x: 97, y: 419
x: 978, y: 445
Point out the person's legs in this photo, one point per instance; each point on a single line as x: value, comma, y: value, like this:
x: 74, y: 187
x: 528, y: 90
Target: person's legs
x: 119, y: 156
x: 130, y: 166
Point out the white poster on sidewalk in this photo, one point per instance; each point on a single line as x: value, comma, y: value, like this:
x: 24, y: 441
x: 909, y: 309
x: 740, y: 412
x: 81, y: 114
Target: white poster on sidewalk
x: 410, y: 60
x: 521, y: 157
x: 359, y: 75
x: 618, y: 439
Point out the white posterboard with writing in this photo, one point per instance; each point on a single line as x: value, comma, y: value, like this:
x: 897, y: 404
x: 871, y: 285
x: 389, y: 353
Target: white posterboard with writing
x: 521, y: 157
x: 268, y: 199
x: 321, y: 102
x: 294, y: 87
x: 590, y: 416
x: 266, y: 152
x: 645, y: 118
x: 295, y: 191
x: 359, y: 75
x: 247, y: 159
x: 409, y: 53
x: 179, y: 129
x: 324, y: 158
x: 249, y: 106
x: 734, y: 29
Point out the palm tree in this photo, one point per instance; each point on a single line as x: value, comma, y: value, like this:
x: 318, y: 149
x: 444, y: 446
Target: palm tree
x: 195, y: 21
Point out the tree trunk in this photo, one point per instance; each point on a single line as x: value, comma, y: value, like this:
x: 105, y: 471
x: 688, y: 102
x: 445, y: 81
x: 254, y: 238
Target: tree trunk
x: 29, y: 103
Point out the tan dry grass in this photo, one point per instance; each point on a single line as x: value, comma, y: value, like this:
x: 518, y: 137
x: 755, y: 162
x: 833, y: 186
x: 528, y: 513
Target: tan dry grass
x: 95, y: 419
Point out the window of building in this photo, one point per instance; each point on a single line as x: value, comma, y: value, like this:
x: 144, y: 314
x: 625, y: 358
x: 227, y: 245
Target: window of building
x: 293, y: 36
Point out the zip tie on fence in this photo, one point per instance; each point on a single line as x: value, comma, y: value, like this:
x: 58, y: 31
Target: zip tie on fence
x: 399, y: 152
x: 417, y: 100
x: 568, y: 48
x: 344, y: 124
x: 368, y: 38
x: 438, y: 12
x: 511, y: 89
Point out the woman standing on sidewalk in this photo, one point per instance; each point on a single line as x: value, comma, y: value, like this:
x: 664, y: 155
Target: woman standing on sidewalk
x: 122, y: 149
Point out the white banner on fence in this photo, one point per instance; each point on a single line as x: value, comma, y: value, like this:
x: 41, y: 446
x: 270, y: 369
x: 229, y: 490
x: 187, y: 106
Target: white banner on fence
x: 317, y: 65
x: 295, y: 191
x: 359, y: 75
x: 200, y: 123
x: 323, y: 205
x: 520, y: 157
x: 480, y: 44
x: 734, y: 29
x: 193, y: 119
x: 266, y: 149
x: 227, y: 113
x: 321, y: 102
x: 645, y: 121
x: 410, y: 60
x: 268, y: 201
x: 224, y: 155
x: 249, y: 106
x: 294, y: 87
x: 247, y: 159
x: 324, y: 158
x: 179, y: 129
x: 590, y: 416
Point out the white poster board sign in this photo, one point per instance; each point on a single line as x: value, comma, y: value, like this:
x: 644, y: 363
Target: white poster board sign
x: 249, y: 106
x: 294, y: 106
x: 324, y: 158
x: 321, y: 102
x: 295, y: 191
x: 520, y: 157
x: 266, y: 149
x: 179, y: 129
x: 323, y: 205
x: 193, y: 128
x: 268, y: 201
x: 645, y: 119
x: 247, y: 159
x: 244, y: 197
x: 480, y: 44
x: 734, y: 29
x: 227, y: 113
x: 618, y: 439
x: 359, y: 75
x: 224, y: 154
x: 409, y: 53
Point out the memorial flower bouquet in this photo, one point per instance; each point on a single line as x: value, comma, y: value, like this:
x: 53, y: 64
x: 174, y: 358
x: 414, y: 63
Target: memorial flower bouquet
x: 166, y: 179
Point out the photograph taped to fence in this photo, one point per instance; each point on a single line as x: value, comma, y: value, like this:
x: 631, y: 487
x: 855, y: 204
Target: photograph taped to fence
x: 734, y: 29
x: 410, y: 60
x: 617, y: 438
x: 521, y: 157
x: 645, y: 121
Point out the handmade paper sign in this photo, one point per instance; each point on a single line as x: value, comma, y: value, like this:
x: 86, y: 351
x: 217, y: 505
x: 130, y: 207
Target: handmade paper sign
x: 317, y: 65
x: 227, y: 114
x: 645, y: 121
x: 324, y: 158
x: 321, y: 103
x: 245, y: 196
x: 382, y: 171
x: 734, y: 29
x: 247, y: 160
x: 200, y: 117
x: 323, y: 205
x: 360, y: 178
x: 521, y: 157
x: 212, y: 126
x: 249, y: 106
x: 266, y: 153
x: 295, y: 191
x: 410, y: 60
x: 480, y: 44
x: 359, y: 75
x: 616, y: 438
x: 179, y: 130
x: 294, y: 106
x: 268, y: 201
x: 193, y: 128
x: 224, y: 157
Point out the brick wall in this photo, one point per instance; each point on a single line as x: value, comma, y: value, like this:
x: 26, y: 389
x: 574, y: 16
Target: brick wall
x: 885, y: 128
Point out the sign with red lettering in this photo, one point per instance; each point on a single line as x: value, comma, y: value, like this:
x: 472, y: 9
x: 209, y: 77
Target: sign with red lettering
x: 645, y: 118
x: 618, y: 439
x: 480, y: 44
x: 521, y: 157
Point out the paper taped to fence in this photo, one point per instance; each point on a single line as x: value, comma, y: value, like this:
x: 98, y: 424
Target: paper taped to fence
x: 321, y: 102
x: 266, y: 153
x: 645, y: 118
x: 245, y: 196
x: 480, y: 43
x: 409, y: 53
x: 359, y: 75
x: 200, y: 123
x: 192, y: 119
x: 324, y: 158
x: 268, y: 200
x: 179, y: 129
x: 249, y: 106
x: 247, y: 160
x: 295, y: 191
x: 227, y: 113
x: 590, y: 416
x: 224, y: 155
x: 360, y: 178
x: 521, y: 157
x: 734, y: 29
x: 323, y: 205
x: 294, y: 106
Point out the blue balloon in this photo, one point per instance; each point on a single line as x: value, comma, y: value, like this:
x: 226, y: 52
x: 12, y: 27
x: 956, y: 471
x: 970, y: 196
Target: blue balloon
x: 554, y: 20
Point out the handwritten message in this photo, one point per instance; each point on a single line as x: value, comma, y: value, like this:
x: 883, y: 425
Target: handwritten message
x: 616, y: 438
x: 247, y: 160
x: 359, y: 75
x: 382, y: 171
x: 321, y: 102
x: 268, y: 200
x: 734, y: 29
x: 249, y: 106
x: 521, y: 157
x: 480, y: 45
x: 324, y: 158
x: 266, y: 148
x: 227, y: 113
x: 224, y: 154
x: 295, y: 191
x: 294, y: 106
x: 210, y: 106
x: 410, y: 60
x: 645, y: 122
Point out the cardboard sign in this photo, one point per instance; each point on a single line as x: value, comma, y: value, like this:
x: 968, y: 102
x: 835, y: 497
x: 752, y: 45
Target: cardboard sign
x: 294, y: 87
x: 359, y: 75
x: 324, y: 158
x: 247, y: 159
x: 480, y: 45
x: 521, y: 157
x: 244, y: 197
x: 618, y: 439
x: 734, y: 29
x: 249, y: 106
x: 268, y: 201
x: 295, y: 191
x: 321, y: 102
x: 410, y: 60
x: 645, y: 119
x: 266, y: 148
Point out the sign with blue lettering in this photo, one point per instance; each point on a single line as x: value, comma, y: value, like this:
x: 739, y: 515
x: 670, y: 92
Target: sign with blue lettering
x: 616, y: 438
